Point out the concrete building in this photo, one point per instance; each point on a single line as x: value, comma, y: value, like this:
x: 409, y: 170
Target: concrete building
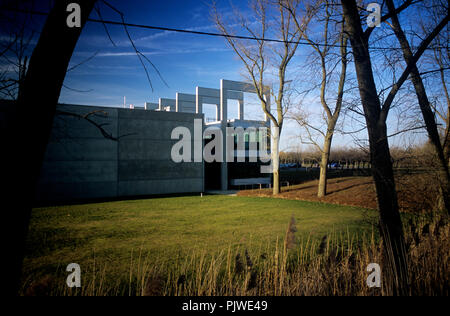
x: 80, y: 163
x: 232, y: 173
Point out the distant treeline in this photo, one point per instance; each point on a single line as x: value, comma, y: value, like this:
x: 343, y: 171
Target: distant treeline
x: 412, y: 157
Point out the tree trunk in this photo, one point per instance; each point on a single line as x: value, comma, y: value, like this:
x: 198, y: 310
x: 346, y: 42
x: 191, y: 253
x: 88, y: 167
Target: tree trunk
x: 322, y: 190
x: 276, y: 163
x: 395, y: 265
x: 30, y: 126
x: 391, y: 227
x: 446, y: 138
x: 427, y: 112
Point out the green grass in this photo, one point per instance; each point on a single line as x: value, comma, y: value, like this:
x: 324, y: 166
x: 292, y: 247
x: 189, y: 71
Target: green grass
x: 171, y: 229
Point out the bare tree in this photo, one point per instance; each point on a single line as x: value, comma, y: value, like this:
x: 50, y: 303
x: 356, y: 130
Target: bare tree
x: 31, y: 123
x: 327, y: 64
x: 442, y: 59
x: 376, y: 114
x: 14, y: 53
x: 259, y: 56
x: 37, y: 88
x: 424, y: 103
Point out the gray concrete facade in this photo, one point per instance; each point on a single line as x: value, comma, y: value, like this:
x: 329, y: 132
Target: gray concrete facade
x: 80, y: 163
x: 228, y: 90
x: 233, y: 90
x: 185, y: 103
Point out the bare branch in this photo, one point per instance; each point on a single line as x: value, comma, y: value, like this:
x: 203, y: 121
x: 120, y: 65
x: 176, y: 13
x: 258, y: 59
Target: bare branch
x: 87, y: 116
x: 138, y: 53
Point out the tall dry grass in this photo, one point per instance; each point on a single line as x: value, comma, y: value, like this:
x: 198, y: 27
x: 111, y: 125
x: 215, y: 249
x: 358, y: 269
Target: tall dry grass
x: 334, y: 265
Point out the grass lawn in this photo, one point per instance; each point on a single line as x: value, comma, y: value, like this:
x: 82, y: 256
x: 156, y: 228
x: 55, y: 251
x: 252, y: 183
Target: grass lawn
x: 171, y: 229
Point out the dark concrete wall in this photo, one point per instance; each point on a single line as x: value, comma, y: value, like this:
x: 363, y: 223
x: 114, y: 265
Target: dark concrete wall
x: 81, y: 163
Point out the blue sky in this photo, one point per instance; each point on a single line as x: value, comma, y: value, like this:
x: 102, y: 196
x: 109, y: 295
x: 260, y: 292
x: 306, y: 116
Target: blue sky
x: 184, y: 60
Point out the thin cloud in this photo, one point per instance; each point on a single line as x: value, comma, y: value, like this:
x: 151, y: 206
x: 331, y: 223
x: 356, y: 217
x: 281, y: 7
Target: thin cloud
x: 164, y: 34
x: 160, y: 52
